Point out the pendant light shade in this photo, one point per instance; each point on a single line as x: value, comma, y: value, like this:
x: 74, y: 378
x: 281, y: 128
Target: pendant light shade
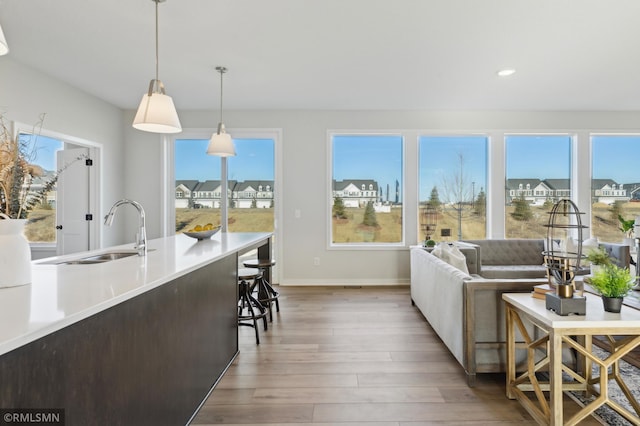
x: 157, y: 113
x: 4, y: 47
x: 221, y: 143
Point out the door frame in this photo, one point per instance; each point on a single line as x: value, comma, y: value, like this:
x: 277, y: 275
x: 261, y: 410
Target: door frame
x: 40, y: 250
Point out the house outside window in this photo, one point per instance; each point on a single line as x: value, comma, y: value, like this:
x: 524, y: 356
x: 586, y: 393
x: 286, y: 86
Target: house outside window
x: 252, y: 167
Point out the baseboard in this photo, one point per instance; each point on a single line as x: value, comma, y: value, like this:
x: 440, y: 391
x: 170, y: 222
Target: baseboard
x: 344, y: 283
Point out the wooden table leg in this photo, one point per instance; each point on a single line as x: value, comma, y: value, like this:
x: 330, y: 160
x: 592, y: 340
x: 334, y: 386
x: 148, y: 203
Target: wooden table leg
x: 555, y: 373
x: 511, y: 352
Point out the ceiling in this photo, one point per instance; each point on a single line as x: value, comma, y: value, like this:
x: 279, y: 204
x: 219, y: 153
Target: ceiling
x: 339, y: 54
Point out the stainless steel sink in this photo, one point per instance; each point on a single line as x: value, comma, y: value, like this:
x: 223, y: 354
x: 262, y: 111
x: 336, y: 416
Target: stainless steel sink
x: 106, y: 257
x: 96, y: 258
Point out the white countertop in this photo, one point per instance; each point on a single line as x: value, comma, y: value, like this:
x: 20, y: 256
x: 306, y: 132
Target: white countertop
x: 60, y: 295
x: 595, y: 317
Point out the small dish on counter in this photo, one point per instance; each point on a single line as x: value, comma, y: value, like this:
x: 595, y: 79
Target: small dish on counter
x: 202, y: 235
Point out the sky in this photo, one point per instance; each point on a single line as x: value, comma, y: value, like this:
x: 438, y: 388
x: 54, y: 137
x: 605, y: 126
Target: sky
x: 377, y: 157
x: 45, y: 153
x: 254, y: 160
x: 440, y: 161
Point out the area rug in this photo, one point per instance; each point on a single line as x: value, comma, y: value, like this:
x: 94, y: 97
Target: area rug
x: 631, y: 376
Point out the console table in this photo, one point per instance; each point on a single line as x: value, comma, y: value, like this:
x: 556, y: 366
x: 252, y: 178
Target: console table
x: 545, y: 349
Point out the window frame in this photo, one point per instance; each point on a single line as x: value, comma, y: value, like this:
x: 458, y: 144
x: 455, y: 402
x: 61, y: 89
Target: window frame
x: 487, y: 176
x: 330, y: 245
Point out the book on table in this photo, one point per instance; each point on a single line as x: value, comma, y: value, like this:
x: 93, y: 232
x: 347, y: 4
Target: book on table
x: 540, y: 290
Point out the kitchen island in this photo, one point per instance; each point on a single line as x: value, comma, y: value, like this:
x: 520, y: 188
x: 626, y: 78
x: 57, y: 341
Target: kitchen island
x: 137, y: 340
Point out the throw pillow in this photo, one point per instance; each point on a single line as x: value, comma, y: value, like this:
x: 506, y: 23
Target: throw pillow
x: 457, y: 259
x: 452, y: 255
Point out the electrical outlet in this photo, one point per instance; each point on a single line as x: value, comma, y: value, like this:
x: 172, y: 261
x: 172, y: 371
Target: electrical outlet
x: 297, y: 213
x: 316, y: 261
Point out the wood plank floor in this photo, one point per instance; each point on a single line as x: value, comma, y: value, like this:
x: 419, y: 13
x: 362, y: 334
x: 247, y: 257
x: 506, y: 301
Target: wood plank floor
x: 353, y: 356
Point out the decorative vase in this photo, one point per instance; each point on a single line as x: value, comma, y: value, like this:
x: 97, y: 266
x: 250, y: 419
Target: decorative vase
x: 15, y: 254
x: 612, y: 304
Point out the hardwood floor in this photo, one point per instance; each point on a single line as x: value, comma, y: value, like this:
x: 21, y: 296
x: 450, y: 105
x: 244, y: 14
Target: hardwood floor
x: 353, y: 356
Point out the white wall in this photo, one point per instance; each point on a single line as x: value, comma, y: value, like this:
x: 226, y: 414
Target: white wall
x: 25, y: 93
x: 305, y: 176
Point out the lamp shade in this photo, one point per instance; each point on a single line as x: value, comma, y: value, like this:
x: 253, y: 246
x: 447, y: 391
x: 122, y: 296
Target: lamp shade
x: 221, y: 145
x: 157, y: 114
x: 4, y: 47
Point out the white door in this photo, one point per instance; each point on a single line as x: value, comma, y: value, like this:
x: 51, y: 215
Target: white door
x: 73, y: 202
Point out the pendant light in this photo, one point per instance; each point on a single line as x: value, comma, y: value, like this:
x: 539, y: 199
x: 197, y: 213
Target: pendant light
x: 4, y: 47
x: 222, y: 146
x: 156, y: 112
x: 221, y: 143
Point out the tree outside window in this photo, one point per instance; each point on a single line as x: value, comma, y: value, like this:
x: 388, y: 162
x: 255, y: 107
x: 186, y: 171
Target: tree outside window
x: 452, y: 180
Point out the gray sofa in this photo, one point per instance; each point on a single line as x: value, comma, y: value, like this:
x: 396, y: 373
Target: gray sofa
x: 466, y: 310
x: 510, y: 258
x: 523, y: 258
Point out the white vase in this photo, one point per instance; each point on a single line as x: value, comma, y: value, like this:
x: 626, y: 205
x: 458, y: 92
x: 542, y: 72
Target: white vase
x: 15, y: 254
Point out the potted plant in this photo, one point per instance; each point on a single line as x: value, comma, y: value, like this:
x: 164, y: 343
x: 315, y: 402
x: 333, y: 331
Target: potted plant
x: 613, y: 283
x: 627, y: 227
x: 598, y: 258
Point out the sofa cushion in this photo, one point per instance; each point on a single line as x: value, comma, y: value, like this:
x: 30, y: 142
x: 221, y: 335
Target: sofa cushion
x: 516, y: 251
x: 514, y: 271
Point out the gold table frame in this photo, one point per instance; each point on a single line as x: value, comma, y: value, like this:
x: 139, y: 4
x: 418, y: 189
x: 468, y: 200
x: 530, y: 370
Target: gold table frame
x: 544, y: 346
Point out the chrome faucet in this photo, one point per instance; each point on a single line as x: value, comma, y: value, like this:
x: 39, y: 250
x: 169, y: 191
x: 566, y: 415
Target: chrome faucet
x: 141, y: 236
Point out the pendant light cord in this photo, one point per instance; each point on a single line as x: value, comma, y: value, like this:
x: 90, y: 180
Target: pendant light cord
x: 157, y: 55
x: 221, y: 70
x: 221, y: 86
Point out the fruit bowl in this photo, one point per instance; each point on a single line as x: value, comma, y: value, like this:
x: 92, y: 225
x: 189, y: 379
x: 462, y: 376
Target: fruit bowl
x: 201, y: 235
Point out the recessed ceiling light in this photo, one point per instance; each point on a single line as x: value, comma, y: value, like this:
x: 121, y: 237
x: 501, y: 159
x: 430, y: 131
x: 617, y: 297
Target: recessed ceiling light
x: 506, y: 72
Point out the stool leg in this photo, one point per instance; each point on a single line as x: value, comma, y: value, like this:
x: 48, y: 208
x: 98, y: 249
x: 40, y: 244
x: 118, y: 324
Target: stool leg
x: 247, y: 301
x: 264, y: 298
x: 271, y: 293
x: 258, y: 305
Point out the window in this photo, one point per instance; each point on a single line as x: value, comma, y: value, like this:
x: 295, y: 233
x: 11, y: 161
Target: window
x: 541, y: 163
x: 359, y: 216
x: 252, y: 167
x: 615, y: 184
x: 452, y: 187
x: 41, y: 227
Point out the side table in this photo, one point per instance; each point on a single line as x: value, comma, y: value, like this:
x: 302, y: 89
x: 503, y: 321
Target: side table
x: 544, y: 352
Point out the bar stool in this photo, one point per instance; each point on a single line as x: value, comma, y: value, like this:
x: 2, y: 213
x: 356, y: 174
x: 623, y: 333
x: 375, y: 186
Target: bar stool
x: 266, y: 293
x: 250, y: 310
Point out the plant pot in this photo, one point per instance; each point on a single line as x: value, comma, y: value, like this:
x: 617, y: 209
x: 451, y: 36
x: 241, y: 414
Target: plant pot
x: 15, y: 254
x: 612, y: 304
